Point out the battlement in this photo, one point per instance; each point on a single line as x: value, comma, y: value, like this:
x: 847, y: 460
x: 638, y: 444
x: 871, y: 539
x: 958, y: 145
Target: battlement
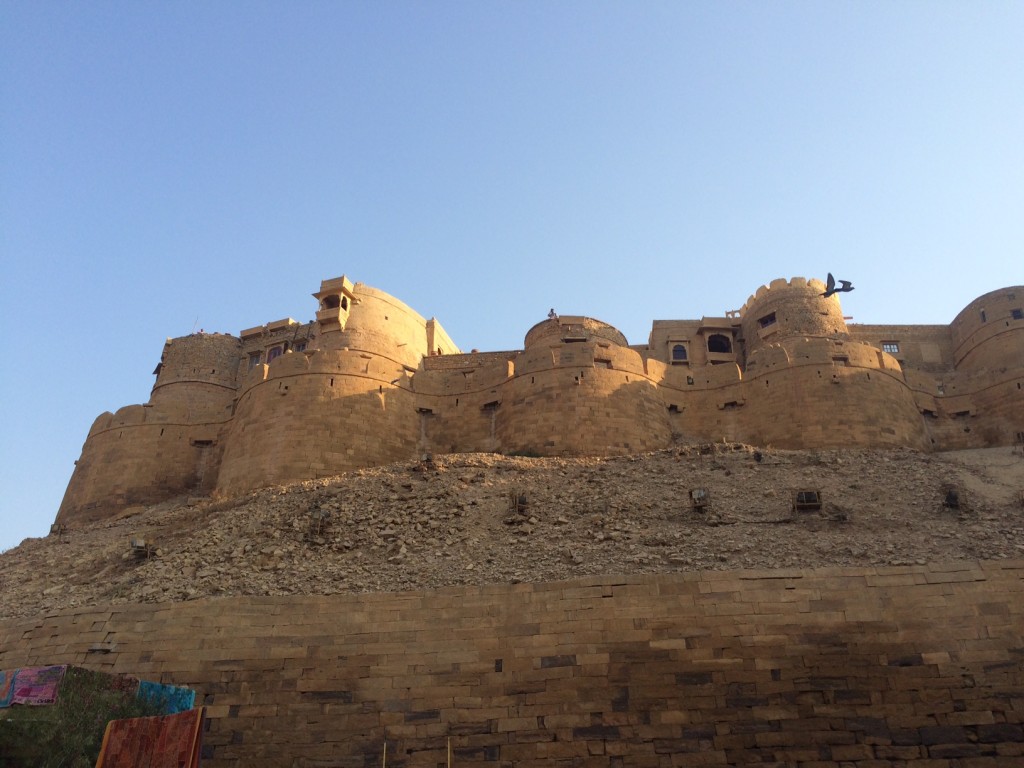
x: 813, y: 284
x: 371, y: 381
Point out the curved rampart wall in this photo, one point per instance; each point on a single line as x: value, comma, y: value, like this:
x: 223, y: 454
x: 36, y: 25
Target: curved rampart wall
x: 588, y: 398
x: 143, y: 454
x: 367, y: 397
x: 985, y: 333
x: 818, y: 401
x: 315, y: 414
x: 830, y: 668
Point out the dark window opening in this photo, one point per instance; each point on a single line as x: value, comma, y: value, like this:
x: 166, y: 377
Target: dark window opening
x: 719, y: 343
x: 929, y: 413
x: 689, y: 380
x: 344, y: 302
x: 1017, y: 314
x: 678, y: 353
x: 331, y: 302
x: 984, y: 317
x: 673, y: 408
x: 274, y: 353
x: 491, y: 406
x: 299, y: 346
x: 254, y: 359
x: 767, y: 320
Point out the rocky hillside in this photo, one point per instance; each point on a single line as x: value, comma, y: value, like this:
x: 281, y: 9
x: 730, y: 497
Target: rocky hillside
x: 473, y: 518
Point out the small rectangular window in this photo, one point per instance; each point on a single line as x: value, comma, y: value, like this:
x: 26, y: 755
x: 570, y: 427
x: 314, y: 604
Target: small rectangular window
x: 1017, y: 314
x: 892, y: 347
x: 767, y: 320
x: 254, y: 359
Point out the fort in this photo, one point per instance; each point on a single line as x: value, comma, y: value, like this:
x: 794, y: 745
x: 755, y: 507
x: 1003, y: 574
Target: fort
x: 614, y: 626
x: 370, y: 381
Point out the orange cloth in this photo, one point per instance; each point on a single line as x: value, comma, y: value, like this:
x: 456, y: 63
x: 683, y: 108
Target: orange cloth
x: 170, y: 741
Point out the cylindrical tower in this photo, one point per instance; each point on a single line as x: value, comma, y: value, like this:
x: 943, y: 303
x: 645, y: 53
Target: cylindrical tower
x: 989, y: 332
x: 197, y: 373
x: 335, y: 408
x: 144, y: 454
x: 579, y: 390
x: 794, y: 308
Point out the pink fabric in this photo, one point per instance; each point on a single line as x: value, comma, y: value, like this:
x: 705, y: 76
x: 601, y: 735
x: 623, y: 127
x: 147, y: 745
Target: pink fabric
x: 37, y: 685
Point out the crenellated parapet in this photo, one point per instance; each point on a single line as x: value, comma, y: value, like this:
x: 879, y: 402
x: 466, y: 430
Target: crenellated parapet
x: 793, y: 307
x: 371, y: 381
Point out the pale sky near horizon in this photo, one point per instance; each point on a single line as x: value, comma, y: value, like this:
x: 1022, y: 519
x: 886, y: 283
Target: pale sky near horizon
x: 167, y: 166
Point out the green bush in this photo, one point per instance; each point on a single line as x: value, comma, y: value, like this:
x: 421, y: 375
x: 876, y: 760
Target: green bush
x: 69, y: 733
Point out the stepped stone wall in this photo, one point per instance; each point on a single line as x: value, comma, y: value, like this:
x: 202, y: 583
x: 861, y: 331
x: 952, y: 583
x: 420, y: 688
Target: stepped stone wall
x: 917, y: 667
x: 370, y: 382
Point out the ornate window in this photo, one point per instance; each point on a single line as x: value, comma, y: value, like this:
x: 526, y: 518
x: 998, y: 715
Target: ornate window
x: 678, y: 353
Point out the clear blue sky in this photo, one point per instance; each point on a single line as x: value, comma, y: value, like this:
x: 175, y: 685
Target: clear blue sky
x: 166, y: 166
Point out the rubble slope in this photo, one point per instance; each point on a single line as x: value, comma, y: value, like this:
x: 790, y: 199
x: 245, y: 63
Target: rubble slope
x: 481, y: 518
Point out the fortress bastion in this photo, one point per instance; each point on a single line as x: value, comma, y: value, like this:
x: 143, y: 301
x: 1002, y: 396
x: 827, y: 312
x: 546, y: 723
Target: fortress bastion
x: 370, y: 381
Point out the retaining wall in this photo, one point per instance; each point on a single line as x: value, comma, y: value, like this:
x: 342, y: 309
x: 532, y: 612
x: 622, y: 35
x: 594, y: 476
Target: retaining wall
x: 918, y: 667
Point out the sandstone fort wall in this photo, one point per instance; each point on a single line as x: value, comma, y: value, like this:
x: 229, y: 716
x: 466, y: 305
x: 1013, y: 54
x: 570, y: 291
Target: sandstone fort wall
x: 833, y: 668
x: 371, y: 381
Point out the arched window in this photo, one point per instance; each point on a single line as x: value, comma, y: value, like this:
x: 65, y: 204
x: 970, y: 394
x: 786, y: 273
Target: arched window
x: 719, y: 343
x: 678, y: 353
x: 273, y: 354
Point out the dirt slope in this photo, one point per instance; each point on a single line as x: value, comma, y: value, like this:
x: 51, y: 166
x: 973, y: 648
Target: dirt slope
x: 450, y: 521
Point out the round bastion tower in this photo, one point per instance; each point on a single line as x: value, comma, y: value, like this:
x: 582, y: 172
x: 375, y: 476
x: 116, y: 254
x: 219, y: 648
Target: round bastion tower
x: 791, y: 308
x: 345, y: 404
x: 809, y: 386
x: 579, y: 390
x: 143, y: 454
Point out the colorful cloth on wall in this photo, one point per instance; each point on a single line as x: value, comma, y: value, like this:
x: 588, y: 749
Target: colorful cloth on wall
x: 170, y: 698
x: 37, y: 685
x: 7, y: 686
x: 169, y: 741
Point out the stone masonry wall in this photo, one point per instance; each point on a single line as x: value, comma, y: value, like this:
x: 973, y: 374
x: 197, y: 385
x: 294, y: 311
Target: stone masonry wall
x: 140, y: 455
x: 316, y: 414
x: 374, y: 390
x: 917, y: 667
